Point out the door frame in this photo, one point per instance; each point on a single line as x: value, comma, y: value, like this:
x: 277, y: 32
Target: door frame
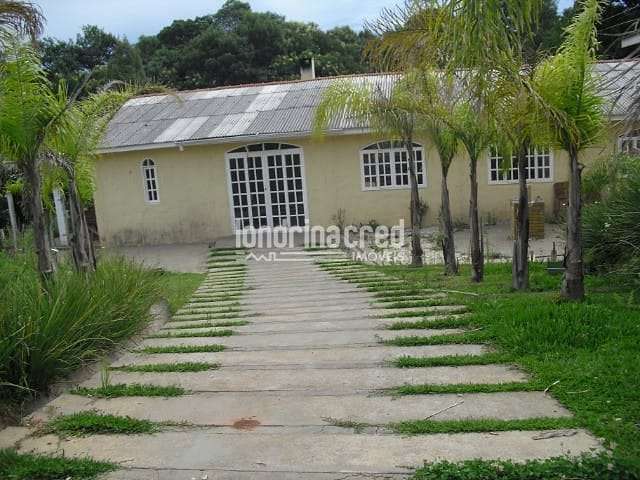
x: 263, y: 155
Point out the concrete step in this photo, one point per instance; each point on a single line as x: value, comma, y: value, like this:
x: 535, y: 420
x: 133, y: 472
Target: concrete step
x: 319, y: 380
x: 299, y: 410
x: 291, y: 451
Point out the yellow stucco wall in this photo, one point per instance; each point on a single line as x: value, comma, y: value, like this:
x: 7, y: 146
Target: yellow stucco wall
x: 194, y: 199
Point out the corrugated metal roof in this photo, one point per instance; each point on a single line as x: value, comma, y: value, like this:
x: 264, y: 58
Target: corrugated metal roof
x: 278, y: 109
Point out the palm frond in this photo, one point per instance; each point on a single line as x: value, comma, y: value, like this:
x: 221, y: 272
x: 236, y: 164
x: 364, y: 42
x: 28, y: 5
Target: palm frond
x: 22, y: 18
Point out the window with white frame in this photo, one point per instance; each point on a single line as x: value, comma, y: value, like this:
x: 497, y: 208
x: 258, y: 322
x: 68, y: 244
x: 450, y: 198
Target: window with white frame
x: 629, y: 143
x: 385, y: 165
x: 150, y: 181
x: 539, y: 166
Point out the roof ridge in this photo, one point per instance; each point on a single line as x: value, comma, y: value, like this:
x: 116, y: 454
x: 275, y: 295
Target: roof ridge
x: 261, y: 84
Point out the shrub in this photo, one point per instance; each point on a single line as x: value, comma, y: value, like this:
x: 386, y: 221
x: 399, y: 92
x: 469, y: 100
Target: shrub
x: 47, y: 333
x: 611, y: 234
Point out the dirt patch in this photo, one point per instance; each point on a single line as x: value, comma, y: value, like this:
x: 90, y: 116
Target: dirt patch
x: 246, y: 424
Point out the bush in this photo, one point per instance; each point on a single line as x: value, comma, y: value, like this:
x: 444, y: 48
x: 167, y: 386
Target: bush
x: 611, y: 233
x: 47, y: 333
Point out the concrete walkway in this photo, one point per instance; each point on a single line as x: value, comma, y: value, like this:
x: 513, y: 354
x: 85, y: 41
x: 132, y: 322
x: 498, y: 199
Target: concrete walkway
x: 298, y: 394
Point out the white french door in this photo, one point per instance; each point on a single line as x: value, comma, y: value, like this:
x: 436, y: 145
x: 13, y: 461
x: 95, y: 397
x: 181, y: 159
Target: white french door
x: 266, y: 183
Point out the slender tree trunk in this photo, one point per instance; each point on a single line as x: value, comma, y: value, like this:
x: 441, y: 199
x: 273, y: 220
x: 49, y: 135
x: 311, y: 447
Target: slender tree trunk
x: 448, y: 244
x: 477, y: 254
x: 416, y: 247
x: 82, y: 250
x: 39, y: 220
x: 13, y: 219
x: 573, y: 281
x: 520, y: 263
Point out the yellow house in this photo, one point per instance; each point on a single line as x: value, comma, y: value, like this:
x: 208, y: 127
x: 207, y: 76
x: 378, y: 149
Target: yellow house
x: 203, y: 164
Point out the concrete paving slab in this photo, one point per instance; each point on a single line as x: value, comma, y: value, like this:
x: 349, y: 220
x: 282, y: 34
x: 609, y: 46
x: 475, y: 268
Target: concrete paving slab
x: 336, y: 381
x: 173, y: 474
x: 310, y: 339
x: 295, y: 452
x: 274, y: 409
x: 334, y: 357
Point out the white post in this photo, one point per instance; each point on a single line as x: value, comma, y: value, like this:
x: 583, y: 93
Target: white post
x: 13, y: 219
x: 60, y: 216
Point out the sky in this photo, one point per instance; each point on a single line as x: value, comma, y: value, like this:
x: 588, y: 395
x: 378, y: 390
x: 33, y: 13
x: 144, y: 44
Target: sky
x: 132, y: 18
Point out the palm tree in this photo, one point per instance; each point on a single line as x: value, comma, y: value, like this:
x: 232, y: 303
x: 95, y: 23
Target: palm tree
x: 466, y: 39
x: 28, y: 109
x: 566, y: 81
x: 391, y: 115
x: 71, y: 147
x: 21, y: 18
x: 436, y: 97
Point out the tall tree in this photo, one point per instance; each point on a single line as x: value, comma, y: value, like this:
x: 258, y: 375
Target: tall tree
x: 567, y: 82
x: 390, y: 114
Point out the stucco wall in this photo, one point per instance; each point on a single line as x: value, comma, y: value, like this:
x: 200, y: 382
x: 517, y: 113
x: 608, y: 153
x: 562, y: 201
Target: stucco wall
x: 194, y: 201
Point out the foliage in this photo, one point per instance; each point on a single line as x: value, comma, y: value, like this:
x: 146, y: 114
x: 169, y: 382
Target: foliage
x: 587, y: 467
x: 98, y: 53
x: 611, y: 235
x: 46, y: 335
x: 567, y: 84
x: 20, y: 466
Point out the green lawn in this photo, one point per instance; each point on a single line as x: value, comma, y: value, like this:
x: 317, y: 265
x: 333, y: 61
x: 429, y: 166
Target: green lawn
x: 588, y: 353
x: 177, y: 288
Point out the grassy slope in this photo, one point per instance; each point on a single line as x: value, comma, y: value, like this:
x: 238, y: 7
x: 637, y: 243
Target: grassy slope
x: 589, y: 349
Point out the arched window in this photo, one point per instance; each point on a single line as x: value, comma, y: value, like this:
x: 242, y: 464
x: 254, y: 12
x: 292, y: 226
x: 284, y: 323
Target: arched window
x: 385, y: 165
x: 150, y: 181
x: 630, y: 143
x: 540, y: 166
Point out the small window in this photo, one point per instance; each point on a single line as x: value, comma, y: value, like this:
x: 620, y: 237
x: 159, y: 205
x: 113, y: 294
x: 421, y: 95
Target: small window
x: 629, y: 143
x: 539, y: 166
x: 150, y: 181
x: 385, y: 165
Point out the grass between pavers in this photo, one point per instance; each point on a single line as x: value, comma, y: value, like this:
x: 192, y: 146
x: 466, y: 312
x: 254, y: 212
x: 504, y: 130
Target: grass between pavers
x: 207, y: 333
x: 449, y: 339
x: 419, y: 427
x: 215, y: 298
x: 462, y: 388
x: 586, y: 353
x: 211, y: 316
x: 585, y: 467
x: 231, y: 323
x: 435, y: 302
x: 227, y: 268
x: 229, y: 307
x: 129, y: 390
x: 407, y: 361
x: 423, y: 313
x: 176, y: 288
x: 168, y: 367
x: 24, y: 466
x: 93, y: 423
x: 426, y: 323
x: 181, y: 349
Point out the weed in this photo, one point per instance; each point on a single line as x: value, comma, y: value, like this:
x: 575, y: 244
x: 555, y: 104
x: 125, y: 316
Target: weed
x: 206, y: 333
x: 129, y: 390
x: 182, y: 349
x: 94, y: 423
x: 21, y: 466
x: 168, y: 367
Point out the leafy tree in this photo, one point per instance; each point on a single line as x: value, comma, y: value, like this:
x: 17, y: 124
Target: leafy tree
x: 566, y: 82
x: 98, y: 53
x: 391, y: 115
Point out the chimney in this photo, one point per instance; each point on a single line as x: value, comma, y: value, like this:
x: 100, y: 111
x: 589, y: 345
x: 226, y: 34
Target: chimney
x: 308, y: 69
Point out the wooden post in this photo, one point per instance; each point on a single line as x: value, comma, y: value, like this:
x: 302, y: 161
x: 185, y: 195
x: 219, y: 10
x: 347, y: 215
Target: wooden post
x: 58, y: 200
x: 13, y: 219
